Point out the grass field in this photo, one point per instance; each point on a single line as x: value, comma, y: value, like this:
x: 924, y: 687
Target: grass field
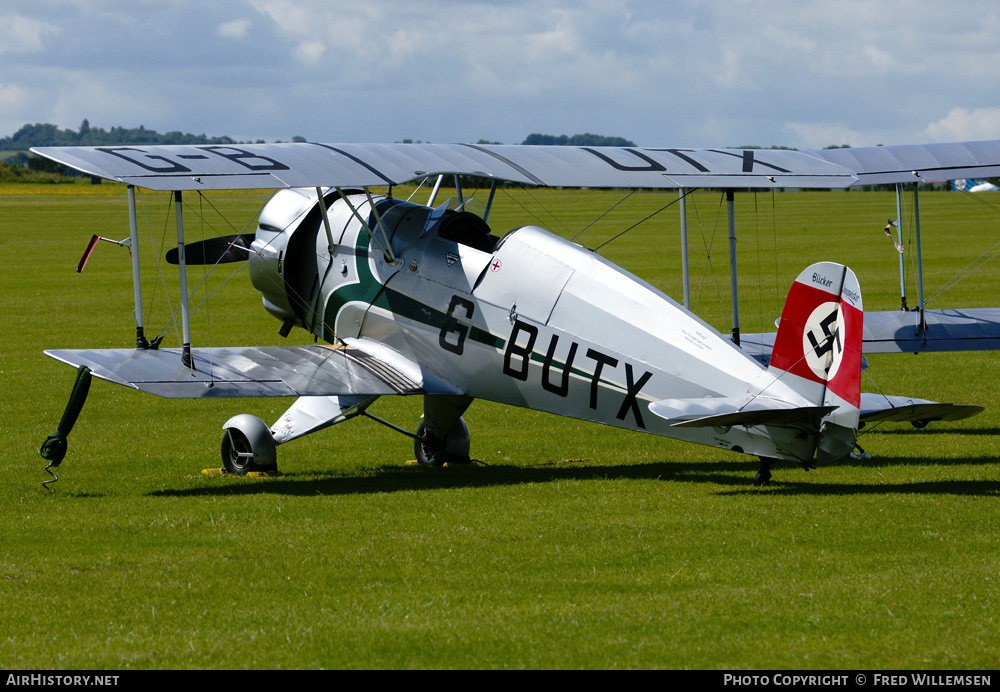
x: 578, y: 546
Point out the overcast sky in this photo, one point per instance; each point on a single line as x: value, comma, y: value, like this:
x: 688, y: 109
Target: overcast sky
x: 659, y: 72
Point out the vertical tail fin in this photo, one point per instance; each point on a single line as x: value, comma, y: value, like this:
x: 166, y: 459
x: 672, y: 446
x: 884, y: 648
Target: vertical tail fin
x: 817, y: 350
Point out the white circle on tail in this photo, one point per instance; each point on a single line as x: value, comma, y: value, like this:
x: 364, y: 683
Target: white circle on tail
x: 823, y: 340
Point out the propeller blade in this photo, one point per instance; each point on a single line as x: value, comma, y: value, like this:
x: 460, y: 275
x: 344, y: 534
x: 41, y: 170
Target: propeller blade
x: 230, y: 248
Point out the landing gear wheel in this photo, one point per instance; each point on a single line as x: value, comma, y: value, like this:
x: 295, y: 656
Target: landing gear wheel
x: 433, y: 451
x: 237, y: 455
x: 763, y: 476
x: 429, y: 451
x: 247, y: 446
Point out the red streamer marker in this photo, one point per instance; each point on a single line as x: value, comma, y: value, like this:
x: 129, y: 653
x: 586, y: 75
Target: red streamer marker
x: 86, y: 255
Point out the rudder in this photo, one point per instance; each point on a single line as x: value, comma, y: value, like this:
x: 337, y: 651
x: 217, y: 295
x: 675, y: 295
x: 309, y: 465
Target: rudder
x: 817, y: 350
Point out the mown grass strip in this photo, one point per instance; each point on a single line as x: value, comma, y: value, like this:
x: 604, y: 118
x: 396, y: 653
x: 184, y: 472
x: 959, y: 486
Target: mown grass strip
x: 579, y: 546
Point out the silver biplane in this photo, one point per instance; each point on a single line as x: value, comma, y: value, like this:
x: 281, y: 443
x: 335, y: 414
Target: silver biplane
x: 412, y: 299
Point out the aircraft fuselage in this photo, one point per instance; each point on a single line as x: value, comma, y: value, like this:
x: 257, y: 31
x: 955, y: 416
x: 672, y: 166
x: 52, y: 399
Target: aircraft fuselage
x: 532, y: 320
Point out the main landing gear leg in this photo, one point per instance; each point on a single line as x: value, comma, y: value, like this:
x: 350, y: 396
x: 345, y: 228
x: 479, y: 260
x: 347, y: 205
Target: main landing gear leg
x: 763, y: 476
x: 443, y: 437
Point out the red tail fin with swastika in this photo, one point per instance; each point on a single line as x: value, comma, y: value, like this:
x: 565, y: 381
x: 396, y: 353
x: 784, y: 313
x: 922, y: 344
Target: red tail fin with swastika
x: 817, y: 350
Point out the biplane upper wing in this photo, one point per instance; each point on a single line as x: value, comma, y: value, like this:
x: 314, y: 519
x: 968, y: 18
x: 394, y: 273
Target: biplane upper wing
x: 360, y: 368
x: 304, y: 164
x: 917, y: 162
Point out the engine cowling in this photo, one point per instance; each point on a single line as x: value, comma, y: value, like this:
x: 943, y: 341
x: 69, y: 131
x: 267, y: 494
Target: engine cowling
x: 279, y: 219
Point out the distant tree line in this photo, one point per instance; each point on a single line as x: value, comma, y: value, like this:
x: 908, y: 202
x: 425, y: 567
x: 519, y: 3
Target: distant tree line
x: 47, y: 135
x: 584, y: 140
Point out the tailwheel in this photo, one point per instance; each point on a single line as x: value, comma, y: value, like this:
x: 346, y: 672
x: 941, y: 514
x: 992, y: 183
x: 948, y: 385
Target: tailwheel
x: 763, y: 475
x: 247, y: 446
x: 434, y: 451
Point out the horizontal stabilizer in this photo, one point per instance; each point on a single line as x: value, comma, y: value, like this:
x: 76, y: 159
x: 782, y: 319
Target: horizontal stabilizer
x: 722, y: 411
x: 903, y: 409
x: 268, y: 371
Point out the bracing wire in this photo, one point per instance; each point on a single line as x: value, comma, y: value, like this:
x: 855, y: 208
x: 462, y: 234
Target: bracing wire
x: 969, y: 269
x: 610, y: 209
x: 774, y: 233
x: 709, y: 244
x: 208, y: 313
x: 641, y: 221
x: 530, y: 212
x: 760, y: 277
x: 976, y: 264
x: 981, y: 200
x: 161, y: 275
x: 869, y: 428
x: 781, y: 373
x: 296, y: 295
x: 171, y: 322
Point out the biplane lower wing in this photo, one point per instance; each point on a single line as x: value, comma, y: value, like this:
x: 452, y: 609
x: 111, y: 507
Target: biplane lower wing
x: 275, y: 371
x: 975, y: 329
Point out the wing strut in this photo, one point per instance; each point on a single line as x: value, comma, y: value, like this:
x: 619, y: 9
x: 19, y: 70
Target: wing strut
x: 182, y: 271
x: 921, y: 322
x: 489, y: 202
x: 730, y: 199
x: 434, y: 192
x: 326, y: 221
x: 899, y: 237
x: 385, y: 248
x: 133, y: 230
x: 685, y: 270
x: 920, y: 263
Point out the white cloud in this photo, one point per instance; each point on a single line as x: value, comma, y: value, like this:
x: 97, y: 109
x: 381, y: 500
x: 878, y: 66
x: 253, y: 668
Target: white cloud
x: 310, y: 51
x: 821, y: 134
x: 13, y: 99
x: 19, y: 34
x: 11, y: 96
x: 805, y: 73
x: 962, y: 124
x: 310, y: 26
x: 237, y: 29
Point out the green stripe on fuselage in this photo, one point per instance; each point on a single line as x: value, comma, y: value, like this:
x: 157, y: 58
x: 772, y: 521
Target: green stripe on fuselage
x: 366, y: 289
x: 408, y: 307
x: 369, y: 290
